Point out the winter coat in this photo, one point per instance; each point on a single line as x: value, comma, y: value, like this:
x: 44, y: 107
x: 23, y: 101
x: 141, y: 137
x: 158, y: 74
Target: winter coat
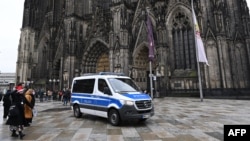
x: 66, y: 95
x: 18, y: 101
x: 1, y: 95
x: 7, y: 99
x: 28, y: 104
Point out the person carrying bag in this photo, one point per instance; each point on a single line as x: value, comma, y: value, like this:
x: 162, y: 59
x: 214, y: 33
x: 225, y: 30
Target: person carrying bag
x: 16, y: 112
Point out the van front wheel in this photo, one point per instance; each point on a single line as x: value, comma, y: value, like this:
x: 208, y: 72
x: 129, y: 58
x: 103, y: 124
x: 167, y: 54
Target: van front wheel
x: 77, y: 112
x: 114, y: 117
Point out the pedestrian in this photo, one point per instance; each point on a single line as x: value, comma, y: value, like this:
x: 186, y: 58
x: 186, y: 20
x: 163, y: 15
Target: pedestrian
x: 1, y: 95
x: 41, y: 94
x: 16, y: 112
x: 66, y: 96
x: 60, y: 93
x: 49, y: 94
x: 6, y: 103
x: 46, y: 95
x: 28, y: 106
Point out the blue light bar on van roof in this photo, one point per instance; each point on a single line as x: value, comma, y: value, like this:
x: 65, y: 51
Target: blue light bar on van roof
x: 104, y: 73
x: 111, y: 73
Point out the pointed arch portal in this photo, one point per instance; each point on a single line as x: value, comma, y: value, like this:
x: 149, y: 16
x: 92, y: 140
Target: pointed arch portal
x: 96, y: 58
x: 140, y: 70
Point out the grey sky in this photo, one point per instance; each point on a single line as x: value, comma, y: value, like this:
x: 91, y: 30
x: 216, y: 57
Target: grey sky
x: 11, y: 14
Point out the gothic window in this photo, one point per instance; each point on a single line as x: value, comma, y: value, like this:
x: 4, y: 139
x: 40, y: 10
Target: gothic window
x: 183, y: 42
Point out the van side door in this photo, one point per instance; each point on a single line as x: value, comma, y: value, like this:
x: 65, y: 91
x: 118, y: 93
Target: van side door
x: 102, y: 100
x: 82, y: 92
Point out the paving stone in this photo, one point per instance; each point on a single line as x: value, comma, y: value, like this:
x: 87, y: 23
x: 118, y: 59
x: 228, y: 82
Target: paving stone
x: 98, y: 137
x: 115, y: 138
x: 132, y: 139
x: 175, y: 119
x: 129, y: 132
x: 114, y: 132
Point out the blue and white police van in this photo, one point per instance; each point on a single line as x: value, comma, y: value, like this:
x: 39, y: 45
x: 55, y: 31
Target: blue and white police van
x: 110, y: 95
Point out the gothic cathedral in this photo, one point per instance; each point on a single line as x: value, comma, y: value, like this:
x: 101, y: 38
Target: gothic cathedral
x: 62, y: 39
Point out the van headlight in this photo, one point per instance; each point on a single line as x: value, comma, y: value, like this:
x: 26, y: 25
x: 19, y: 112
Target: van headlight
x: 127, y: 102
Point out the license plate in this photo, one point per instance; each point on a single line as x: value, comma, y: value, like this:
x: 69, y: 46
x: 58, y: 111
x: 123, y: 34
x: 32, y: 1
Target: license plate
x: 145, y: 116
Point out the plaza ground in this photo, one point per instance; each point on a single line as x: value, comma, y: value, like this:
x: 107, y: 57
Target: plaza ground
x: 175, y: 119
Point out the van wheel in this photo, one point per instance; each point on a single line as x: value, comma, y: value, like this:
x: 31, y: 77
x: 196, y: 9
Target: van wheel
x: 77, y: 112
x: 114, y: 117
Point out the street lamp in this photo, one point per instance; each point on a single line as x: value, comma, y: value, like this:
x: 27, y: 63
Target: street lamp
x: 54, y: 81
x: 57, y: 83
x: 50, y: 82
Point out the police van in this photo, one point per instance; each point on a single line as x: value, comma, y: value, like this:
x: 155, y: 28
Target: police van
x: 110, y: 95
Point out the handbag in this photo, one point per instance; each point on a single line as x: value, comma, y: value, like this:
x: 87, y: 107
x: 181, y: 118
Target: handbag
x: 13, y: 111
x: 34, y: 111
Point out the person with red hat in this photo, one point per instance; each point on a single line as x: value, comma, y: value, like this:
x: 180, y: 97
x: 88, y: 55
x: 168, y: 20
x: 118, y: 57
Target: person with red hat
x: 16, y: 118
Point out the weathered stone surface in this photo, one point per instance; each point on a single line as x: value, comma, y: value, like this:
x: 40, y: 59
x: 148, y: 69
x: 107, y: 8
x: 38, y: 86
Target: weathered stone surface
x: 185, y: 119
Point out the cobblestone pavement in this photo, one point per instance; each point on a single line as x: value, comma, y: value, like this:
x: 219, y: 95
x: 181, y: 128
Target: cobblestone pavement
x: 175, y: 119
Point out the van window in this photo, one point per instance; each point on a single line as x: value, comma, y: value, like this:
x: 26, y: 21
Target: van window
x: 101, y: 84
x: 121, y: 85
x: 83, y: 86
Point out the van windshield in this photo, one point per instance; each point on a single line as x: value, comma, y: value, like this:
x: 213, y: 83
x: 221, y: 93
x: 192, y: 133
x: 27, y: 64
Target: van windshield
x: 122, y: 85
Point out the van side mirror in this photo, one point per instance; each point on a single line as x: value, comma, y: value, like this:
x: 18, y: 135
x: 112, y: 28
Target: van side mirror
x: 107, y: 91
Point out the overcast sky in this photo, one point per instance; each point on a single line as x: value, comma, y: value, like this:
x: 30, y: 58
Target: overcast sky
x: 11, y: 14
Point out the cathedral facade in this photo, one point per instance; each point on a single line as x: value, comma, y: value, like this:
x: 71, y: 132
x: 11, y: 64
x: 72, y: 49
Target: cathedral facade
x: 62, y: 39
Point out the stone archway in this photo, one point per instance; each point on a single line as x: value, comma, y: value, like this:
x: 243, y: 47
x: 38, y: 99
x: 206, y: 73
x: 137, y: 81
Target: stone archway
x: 96, y: 58
x: 141, y: 67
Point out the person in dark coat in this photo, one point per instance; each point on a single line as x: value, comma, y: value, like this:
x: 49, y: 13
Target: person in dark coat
x: 1, y: 95
x: 41, y: 94
x: 66, y: 96
x: 17, y: 121
x: 6, y: 103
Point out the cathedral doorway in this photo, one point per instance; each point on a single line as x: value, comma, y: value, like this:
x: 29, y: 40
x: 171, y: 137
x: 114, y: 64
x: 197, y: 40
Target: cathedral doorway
x: 96, y: 58
x: 102, y: 63
x: 140, y: 69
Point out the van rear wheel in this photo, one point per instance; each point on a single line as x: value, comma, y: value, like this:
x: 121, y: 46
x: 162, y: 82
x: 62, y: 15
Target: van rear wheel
x: 77, y: 112
x: 114, y: 117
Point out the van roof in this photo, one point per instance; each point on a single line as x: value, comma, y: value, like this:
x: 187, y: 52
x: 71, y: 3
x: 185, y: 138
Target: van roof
x: 102, y: 75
